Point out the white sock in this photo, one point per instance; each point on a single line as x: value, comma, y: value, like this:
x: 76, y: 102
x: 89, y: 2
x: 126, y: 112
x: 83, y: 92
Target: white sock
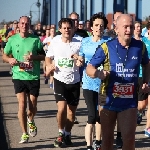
x: 62, y: 131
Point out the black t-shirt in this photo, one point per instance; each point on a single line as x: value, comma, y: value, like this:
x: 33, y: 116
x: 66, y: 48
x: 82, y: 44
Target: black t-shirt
x: 38, y: 32
x: 79, y: 32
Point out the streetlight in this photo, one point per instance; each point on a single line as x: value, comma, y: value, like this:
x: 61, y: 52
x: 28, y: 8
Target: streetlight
x: 38, y: 4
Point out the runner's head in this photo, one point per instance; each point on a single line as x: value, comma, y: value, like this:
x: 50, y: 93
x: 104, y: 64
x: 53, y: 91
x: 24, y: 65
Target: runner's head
x: 15, y: 24
x: 66, y: 27
x: 137, y: 28
x: 148, y: 28
x: 75, y: 18
x: 98, y: 23
x: 124, y: 27
x: 24, y: 23
x: 116, y: 15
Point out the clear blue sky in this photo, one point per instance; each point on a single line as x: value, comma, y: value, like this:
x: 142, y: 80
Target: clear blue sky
x: 13, y: 9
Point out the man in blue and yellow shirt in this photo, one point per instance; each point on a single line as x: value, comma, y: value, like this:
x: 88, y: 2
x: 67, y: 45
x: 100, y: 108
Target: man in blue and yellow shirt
x: 121, y: 59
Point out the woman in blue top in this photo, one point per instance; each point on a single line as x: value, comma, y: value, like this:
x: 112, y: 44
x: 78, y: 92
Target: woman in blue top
x: 91, y: 86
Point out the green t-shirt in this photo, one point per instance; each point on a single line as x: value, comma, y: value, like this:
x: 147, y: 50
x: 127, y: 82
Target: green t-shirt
x: 18, y: 47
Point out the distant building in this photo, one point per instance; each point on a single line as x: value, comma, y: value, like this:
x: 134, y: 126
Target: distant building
x: 54, y: 10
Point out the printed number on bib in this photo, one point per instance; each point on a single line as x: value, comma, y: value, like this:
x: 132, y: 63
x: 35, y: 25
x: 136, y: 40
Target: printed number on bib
x: 123, y: 90
x: 26, y: 66
x: 66, y: 62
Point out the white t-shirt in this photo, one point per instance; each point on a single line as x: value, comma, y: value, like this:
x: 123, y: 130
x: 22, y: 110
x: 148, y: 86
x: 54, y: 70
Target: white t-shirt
x: 66, y: 69
x: 47, y: 42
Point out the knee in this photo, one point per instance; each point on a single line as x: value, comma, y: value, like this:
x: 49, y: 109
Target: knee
x: 142, y: 105
x: 22, y: 106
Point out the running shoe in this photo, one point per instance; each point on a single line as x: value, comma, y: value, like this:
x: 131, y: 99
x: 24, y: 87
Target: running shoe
x: 67, y: 140
x: 59, y: 140
x: 51, y: 85
x: 76, y: 121
x: 24, y: 138
x: 147, y: 132
x: 119, y: 142
x: 139, y: 118
x: 32, y: 129
x: 96, y: 146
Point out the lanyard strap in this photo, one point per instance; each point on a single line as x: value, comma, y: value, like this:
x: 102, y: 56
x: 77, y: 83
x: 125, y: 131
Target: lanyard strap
x: 124, y: 63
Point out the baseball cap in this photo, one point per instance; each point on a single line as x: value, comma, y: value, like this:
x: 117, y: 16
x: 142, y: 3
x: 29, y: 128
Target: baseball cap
x: 81, y: 22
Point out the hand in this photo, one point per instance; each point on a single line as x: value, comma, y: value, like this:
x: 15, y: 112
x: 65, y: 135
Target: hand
x: 28, y: 57
x: 12, y: 61
x: 145, y: 88
x: 50, y: 68
x: 103, y: 74
x: 74, y: 56
x: 79, y: 63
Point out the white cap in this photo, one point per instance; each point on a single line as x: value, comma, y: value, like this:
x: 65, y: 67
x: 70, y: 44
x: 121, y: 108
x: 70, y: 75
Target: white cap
x: 81, y: 22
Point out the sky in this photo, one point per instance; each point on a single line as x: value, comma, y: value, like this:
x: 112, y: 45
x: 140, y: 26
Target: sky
x: 13, y: 9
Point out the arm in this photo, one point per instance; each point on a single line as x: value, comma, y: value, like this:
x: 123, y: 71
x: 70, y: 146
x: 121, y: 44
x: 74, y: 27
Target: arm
x: 98, y: 59
x: 146, y: 73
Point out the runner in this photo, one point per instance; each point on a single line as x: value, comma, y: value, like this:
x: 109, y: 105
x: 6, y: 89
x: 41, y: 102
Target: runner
x: 121, y: 58
x: 50, y: 34
x: 144, y: 98
x: 98, y: 23
x: 66, y: 78
x: 26, y: 50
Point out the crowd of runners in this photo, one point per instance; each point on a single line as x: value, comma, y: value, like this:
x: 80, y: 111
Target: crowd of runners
x: 112, y: 66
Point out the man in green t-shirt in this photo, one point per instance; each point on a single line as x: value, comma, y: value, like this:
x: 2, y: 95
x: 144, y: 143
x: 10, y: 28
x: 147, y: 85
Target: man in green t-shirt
x: 27, y: 52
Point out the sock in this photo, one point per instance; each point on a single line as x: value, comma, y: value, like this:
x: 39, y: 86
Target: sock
x: 62, y: 131
x: 118, y: 134
x: 67, y: 133
x: 98, y: 142
x: 89, y: 147
x: 29, y: 120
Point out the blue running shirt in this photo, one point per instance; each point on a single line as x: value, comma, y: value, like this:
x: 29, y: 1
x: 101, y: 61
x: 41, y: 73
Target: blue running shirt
x: 120, y: 87
x: 87, y: 50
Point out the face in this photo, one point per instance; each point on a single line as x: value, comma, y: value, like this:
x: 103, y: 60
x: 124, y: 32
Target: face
x: 24, y: 25
x: 88, y: 25
x: 125, y: 28
x: 48, y: 32
x: 98, y: 27
x: 38, y: 26
x: 15, y: 25
x: 17, y: 30
x: 52, y: 32
x: 66, y: 30
x: 5, y: 26
x: 137, y: 28
x: 80, y: 26
x: 75, y: 19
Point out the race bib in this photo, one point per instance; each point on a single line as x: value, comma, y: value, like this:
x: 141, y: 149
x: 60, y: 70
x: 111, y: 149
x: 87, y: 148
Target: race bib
x: 26, y: 66
x: 66, y: 64
x: 123, y: 90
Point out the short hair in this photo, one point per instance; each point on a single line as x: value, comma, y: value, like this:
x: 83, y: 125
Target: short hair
x: 148, y: 25
x: 74, y: 13
x: 138, y: 22
x: 99, y: 16
x: 65, y: 20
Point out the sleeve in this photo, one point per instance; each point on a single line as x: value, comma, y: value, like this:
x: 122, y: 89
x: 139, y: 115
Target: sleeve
x: 40, y: 47
x: 98, y: 58
x: 50, y: 52
x: 145, y: 57
x: 8, y: 47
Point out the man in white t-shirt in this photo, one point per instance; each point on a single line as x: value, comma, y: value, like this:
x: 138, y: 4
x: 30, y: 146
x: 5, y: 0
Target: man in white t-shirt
x: 66, y: 78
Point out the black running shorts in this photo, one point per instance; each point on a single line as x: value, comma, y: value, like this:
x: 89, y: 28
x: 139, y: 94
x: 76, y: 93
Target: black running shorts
x: 29, y: 86
x: 67, y: 92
